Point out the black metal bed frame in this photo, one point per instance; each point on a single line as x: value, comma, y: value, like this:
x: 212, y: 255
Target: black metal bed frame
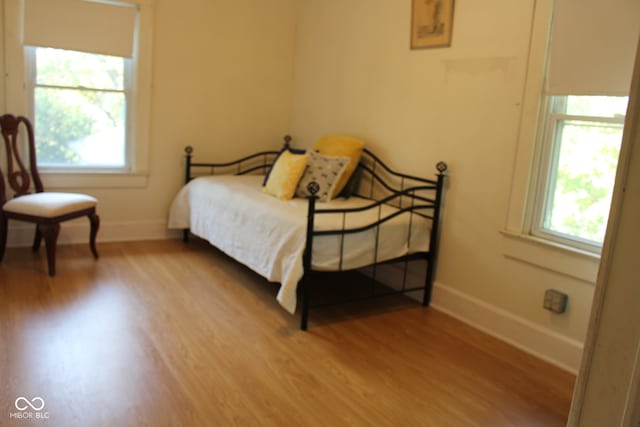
x: 378, y: 183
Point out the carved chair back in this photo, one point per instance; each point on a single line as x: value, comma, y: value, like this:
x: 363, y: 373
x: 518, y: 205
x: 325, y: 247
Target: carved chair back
x: 20, y: 177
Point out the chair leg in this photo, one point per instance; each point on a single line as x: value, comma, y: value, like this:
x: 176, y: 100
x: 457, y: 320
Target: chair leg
x: 4, y: 228
x: 50, y: 233
x: 95, y: 225
x: 37, y: 239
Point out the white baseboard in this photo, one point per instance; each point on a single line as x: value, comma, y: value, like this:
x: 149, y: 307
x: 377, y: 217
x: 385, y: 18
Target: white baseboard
x: 77, y: 232
x: 521, y: 333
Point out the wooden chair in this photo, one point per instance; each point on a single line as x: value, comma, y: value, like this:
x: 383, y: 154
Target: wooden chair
x: 31, y: 203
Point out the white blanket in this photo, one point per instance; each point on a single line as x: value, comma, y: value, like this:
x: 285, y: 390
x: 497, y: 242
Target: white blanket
x: 268, y: 235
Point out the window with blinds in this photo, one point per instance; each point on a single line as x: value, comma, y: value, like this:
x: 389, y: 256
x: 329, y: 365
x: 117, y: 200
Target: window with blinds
x: 79, y: 56
x: 590, y: 60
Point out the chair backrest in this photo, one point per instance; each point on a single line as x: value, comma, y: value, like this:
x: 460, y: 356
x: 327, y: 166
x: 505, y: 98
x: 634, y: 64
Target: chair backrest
x: 20, y: 177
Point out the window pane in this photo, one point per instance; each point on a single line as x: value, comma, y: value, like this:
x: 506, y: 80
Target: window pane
x: 80, y: 127
x: 57, y: 67
x: 582, y: 178
x: 595, y: 106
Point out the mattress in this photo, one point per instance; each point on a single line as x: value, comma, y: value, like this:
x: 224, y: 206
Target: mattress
x: 269, y: 235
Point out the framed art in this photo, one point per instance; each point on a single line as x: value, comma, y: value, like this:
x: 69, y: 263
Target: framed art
x: 431, y: 23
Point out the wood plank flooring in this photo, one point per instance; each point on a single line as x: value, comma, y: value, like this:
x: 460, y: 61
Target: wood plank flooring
x: 166, y: 334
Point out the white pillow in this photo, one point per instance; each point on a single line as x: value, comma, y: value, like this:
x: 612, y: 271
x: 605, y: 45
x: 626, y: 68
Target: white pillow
x: 325, y: 171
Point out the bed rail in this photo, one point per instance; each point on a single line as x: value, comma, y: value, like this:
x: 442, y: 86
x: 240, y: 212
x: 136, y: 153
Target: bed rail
x: 255, y: 163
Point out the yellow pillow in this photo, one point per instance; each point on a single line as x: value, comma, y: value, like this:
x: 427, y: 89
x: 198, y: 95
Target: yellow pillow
x: 285, y: 175
x: 343, y: 146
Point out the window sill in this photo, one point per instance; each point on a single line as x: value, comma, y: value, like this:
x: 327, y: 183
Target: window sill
x: 62, y: 180
x: 572, y: 262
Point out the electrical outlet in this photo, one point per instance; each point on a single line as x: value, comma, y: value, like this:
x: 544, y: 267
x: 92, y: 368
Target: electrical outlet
x: 555, y: 301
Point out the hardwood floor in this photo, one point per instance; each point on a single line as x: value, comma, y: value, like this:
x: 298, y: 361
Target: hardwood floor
x: 166, y: 334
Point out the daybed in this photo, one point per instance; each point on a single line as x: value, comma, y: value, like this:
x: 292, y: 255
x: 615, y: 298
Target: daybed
x: 380, y: 216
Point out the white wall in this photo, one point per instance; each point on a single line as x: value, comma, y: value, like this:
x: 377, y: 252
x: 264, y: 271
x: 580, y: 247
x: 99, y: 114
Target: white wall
x: 355, y: 74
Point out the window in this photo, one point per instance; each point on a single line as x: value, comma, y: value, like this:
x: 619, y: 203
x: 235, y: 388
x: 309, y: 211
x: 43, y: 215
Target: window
x: 78, y: 72
x: 580, y: 148
x: 80, y: 108
x: 570, y: 132
x: 92, y: 58
x: 584, y: 101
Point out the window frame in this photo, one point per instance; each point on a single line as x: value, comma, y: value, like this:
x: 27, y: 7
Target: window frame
x: 517, y: 241
x: 17, y: 100
x: 549, y: 145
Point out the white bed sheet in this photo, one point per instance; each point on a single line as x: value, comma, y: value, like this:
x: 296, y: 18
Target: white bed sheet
x: 268, y: 235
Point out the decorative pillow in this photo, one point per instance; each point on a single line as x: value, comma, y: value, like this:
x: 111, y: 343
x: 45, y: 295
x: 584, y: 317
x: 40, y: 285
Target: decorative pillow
x: 339, y: 145
x: 291, y: 150
x: 326, y: 171
x: 285, y: 174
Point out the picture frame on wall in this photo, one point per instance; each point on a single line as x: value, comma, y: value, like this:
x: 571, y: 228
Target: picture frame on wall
x: 431, y: 23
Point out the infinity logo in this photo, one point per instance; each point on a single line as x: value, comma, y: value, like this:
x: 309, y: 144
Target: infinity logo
x: 29, y: 403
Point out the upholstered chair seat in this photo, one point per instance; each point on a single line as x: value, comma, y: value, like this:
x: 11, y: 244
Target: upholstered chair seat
x: 49, y: 205
x: 30, y: 202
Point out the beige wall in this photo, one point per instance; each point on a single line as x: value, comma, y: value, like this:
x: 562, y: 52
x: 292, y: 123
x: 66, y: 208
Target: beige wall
x: 355, y: 74
x: 221, y: 83
x: 2, y: 84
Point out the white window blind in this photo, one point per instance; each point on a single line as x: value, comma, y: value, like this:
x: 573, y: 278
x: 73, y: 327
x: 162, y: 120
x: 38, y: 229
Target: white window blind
x: 592, y: 48
x: 86, y: 26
